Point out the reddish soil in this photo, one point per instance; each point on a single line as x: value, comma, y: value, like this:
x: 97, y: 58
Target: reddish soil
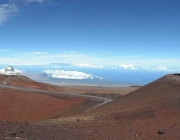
x: 28, y: 106
x: 150, y: 112
x: 100, y: 91
x: 23, y: 81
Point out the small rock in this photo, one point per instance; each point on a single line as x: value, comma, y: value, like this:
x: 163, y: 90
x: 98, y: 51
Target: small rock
x: 8, y: 138
x: 18, y: 138
x: 161, y: 131
x: 136, y: 135
x: 173, y: 127
x: 13, y: 134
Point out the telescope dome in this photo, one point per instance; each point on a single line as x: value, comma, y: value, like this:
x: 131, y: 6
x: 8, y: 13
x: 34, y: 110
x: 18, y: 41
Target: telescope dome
x: 10, y: 69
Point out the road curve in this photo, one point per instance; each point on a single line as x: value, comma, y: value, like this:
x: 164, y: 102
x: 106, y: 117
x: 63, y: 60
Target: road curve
x: 104, y: 99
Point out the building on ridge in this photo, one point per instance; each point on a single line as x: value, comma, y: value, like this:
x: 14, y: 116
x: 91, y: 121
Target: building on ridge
x: 10, y: 71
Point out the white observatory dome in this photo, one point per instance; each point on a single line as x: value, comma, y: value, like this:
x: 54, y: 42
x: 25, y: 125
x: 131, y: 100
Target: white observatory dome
x: 9, y: 69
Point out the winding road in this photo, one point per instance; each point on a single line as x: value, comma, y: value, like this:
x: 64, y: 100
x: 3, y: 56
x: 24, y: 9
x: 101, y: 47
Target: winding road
x: 104, y: 99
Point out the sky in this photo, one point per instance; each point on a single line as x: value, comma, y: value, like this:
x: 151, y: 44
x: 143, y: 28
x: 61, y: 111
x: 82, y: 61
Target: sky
x: 90, y: 32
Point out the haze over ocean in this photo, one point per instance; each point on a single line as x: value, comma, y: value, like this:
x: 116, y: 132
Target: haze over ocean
x: 99, y: 76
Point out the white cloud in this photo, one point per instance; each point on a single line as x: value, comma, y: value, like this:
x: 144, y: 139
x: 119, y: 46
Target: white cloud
x: 69, y: 74
x: 36, y: 53
x: 30, y: 1
x: 15, y: 70
x: 127, y: 66
x: 161, y: 68
x: 20, y: 71
x: 158, y: 68
x: 146, y: 68
x: 6, y: 11
x: 89, y: 66
x: 38, y: 1
x: 2, y: 70
x: 29, y: 64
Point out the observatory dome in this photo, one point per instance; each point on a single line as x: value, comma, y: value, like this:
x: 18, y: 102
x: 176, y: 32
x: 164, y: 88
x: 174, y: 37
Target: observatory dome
x: 10, y: 69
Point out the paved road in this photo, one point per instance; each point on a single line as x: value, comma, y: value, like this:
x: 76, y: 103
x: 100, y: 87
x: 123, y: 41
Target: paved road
x: 104, y: 99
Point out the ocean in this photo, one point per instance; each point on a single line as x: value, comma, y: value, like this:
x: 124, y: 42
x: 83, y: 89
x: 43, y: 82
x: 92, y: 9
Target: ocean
x: 70, y: 74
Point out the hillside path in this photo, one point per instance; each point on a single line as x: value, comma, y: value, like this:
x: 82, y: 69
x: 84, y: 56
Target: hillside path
x: 104, y: 99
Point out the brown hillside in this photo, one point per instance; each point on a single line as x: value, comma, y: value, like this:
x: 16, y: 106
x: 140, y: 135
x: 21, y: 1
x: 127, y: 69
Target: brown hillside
x: 141, y: 113
x: 27, y: 106
x: 23, y: 81
x: 162, y: 91
x: 18, y: 105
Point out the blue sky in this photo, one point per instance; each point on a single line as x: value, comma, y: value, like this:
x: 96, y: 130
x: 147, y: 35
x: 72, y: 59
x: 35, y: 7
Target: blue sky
x: 95, y: 32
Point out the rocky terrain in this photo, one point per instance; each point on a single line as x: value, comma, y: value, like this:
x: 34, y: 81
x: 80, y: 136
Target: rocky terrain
x: 150, y: 112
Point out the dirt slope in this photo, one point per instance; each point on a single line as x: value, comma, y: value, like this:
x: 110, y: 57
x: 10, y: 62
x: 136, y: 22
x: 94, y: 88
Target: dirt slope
x: 16, y: 105
x: 164, y: 91
x: 142, y: 113
x: 23, y: 81
x: 28, y: 106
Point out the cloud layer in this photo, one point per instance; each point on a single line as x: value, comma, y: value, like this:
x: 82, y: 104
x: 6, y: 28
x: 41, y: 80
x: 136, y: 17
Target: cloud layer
x: 82, y: 60
x: 70, y: 74
x: 128, y: 66
x: 89, y: 66
x: 86, y: 60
